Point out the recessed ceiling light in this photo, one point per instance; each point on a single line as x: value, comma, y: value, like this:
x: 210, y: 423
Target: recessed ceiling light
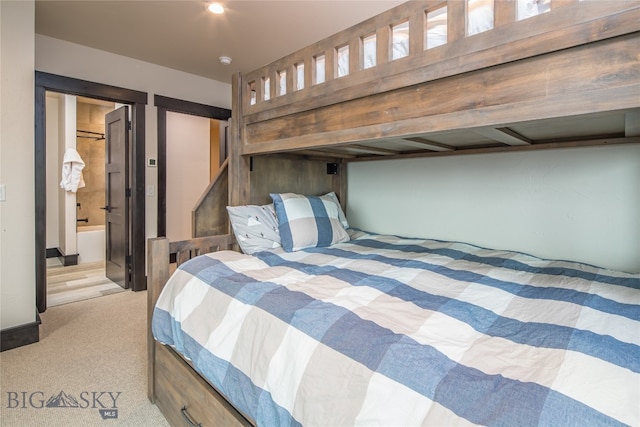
x: 216, y: 8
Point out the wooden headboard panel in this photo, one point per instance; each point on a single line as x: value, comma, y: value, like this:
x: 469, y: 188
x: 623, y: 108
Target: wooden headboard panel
x: 294, y: 175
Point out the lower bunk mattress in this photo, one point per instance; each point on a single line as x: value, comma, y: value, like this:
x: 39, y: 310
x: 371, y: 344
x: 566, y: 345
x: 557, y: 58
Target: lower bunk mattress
x: 383, y: 330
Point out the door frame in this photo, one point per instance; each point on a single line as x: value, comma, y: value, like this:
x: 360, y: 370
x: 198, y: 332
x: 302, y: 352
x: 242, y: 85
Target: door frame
x: 138, y: 101
x: 164, y: 104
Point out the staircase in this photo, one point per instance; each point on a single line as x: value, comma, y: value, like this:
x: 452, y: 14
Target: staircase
x: 209, y: 217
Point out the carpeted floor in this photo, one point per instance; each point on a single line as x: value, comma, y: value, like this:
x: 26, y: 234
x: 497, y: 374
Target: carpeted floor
x: 90, y: 367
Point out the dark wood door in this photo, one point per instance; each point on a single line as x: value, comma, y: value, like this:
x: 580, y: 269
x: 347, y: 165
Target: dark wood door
x: 117, y: 196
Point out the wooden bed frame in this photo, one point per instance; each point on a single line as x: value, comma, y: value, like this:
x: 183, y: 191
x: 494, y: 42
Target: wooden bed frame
x: 566, y: 78
x: 183, y: 396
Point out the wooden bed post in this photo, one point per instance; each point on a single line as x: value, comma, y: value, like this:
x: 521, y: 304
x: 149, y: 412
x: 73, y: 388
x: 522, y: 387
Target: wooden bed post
x: 340, y: 185
x: 239, y: 180
x: 158, y: 274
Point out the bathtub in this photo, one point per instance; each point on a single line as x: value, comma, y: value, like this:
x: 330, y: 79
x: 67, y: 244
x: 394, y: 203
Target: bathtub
x: 91, y: 244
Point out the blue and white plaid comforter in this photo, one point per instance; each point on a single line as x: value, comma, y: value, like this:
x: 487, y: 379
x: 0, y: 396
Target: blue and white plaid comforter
x: 389, y: 331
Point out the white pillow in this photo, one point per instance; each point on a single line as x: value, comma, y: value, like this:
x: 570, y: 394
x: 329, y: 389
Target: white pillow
x: 255, y: 227
x: 341, y: 216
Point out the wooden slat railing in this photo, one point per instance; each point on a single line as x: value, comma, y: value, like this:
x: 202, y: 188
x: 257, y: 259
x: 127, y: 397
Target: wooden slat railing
x: 360, y: 106
x: 572, y: 21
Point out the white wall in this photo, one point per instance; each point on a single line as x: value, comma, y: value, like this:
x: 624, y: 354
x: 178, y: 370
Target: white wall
x: 578, y: 204
x: 188, y: 147
x: 17, y: 213
x: 67, y: 111
x: 54, y: 161
x: 60, y: 134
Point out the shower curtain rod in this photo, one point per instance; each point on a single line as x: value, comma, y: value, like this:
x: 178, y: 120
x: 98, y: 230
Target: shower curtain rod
x: 93, y: 135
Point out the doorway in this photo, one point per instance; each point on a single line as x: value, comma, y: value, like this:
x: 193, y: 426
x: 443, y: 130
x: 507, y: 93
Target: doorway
x: 135, y: 192
x: 76, y: 215
x: 164, y: 106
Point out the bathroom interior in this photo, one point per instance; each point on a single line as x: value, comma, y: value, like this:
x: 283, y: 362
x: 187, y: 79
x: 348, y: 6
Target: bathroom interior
x: 75, y: 224
x: 90, y: 200
x: 75, y: 220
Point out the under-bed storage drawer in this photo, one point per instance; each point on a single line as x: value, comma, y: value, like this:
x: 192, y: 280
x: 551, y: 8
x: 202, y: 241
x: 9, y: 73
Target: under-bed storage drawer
x: 186, y: 399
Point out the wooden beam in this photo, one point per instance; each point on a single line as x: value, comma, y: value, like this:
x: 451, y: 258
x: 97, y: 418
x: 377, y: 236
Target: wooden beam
x: 510, y: 148
x: 504, y: 135
x: 239, y: 189
x: 367, y: 149
x: 427, y: 144
x: 322, y: 153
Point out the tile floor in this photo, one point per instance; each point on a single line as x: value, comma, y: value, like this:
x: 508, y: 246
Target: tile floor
x: 77, y: 282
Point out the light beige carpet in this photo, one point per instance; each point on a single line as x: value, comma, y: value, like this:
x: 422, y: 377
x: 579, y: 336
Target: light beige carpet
x: 90, y: 364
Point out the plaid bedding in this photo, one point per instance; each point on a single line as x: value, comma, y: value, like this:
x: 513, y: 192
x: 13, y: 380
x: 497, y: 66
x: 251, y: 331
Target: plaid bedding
x: 383, y: 330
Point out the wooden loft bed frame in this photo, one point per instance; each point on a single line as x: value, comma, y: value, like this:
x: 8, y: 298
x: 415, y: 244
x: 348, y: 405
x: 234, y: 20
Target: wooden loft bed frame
x: 560, y: 79
x: 567, y: 78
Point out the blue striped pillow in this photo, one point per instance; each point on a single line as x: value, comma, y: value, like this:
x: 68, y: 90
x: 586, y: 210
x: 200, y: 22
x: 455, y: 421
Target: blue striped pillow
x: 308, y: 221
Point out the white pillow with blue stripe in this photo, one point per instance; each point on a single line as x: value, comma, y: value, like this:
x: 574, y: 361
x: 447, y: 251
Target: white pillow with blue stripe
x: 308, y: 221
x: 343, y: 219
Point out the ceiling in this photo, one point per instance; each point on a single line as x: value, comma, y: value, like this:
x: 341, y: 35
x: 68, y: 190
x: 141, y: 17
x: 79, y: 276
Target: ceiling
x: 183, y: 35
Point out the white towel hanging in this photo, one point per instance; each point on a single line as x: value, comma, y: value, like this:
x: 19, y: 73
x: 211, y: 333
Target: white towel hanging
x: 72, y: 166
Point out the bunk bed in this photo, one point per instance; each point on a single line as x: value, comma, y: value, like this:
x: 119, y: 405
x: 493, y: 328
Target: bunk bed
x: 498, y: 338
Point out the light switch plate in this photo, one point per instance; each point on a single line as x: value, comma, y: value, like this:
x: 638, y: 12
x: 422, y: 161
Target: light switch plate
x: 3, y: 193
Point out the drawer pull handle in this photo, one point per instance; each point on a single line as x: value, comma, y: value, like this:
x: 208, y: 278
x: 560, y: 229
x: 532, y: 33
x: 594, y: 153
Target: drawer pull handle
x: 188, y: 418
